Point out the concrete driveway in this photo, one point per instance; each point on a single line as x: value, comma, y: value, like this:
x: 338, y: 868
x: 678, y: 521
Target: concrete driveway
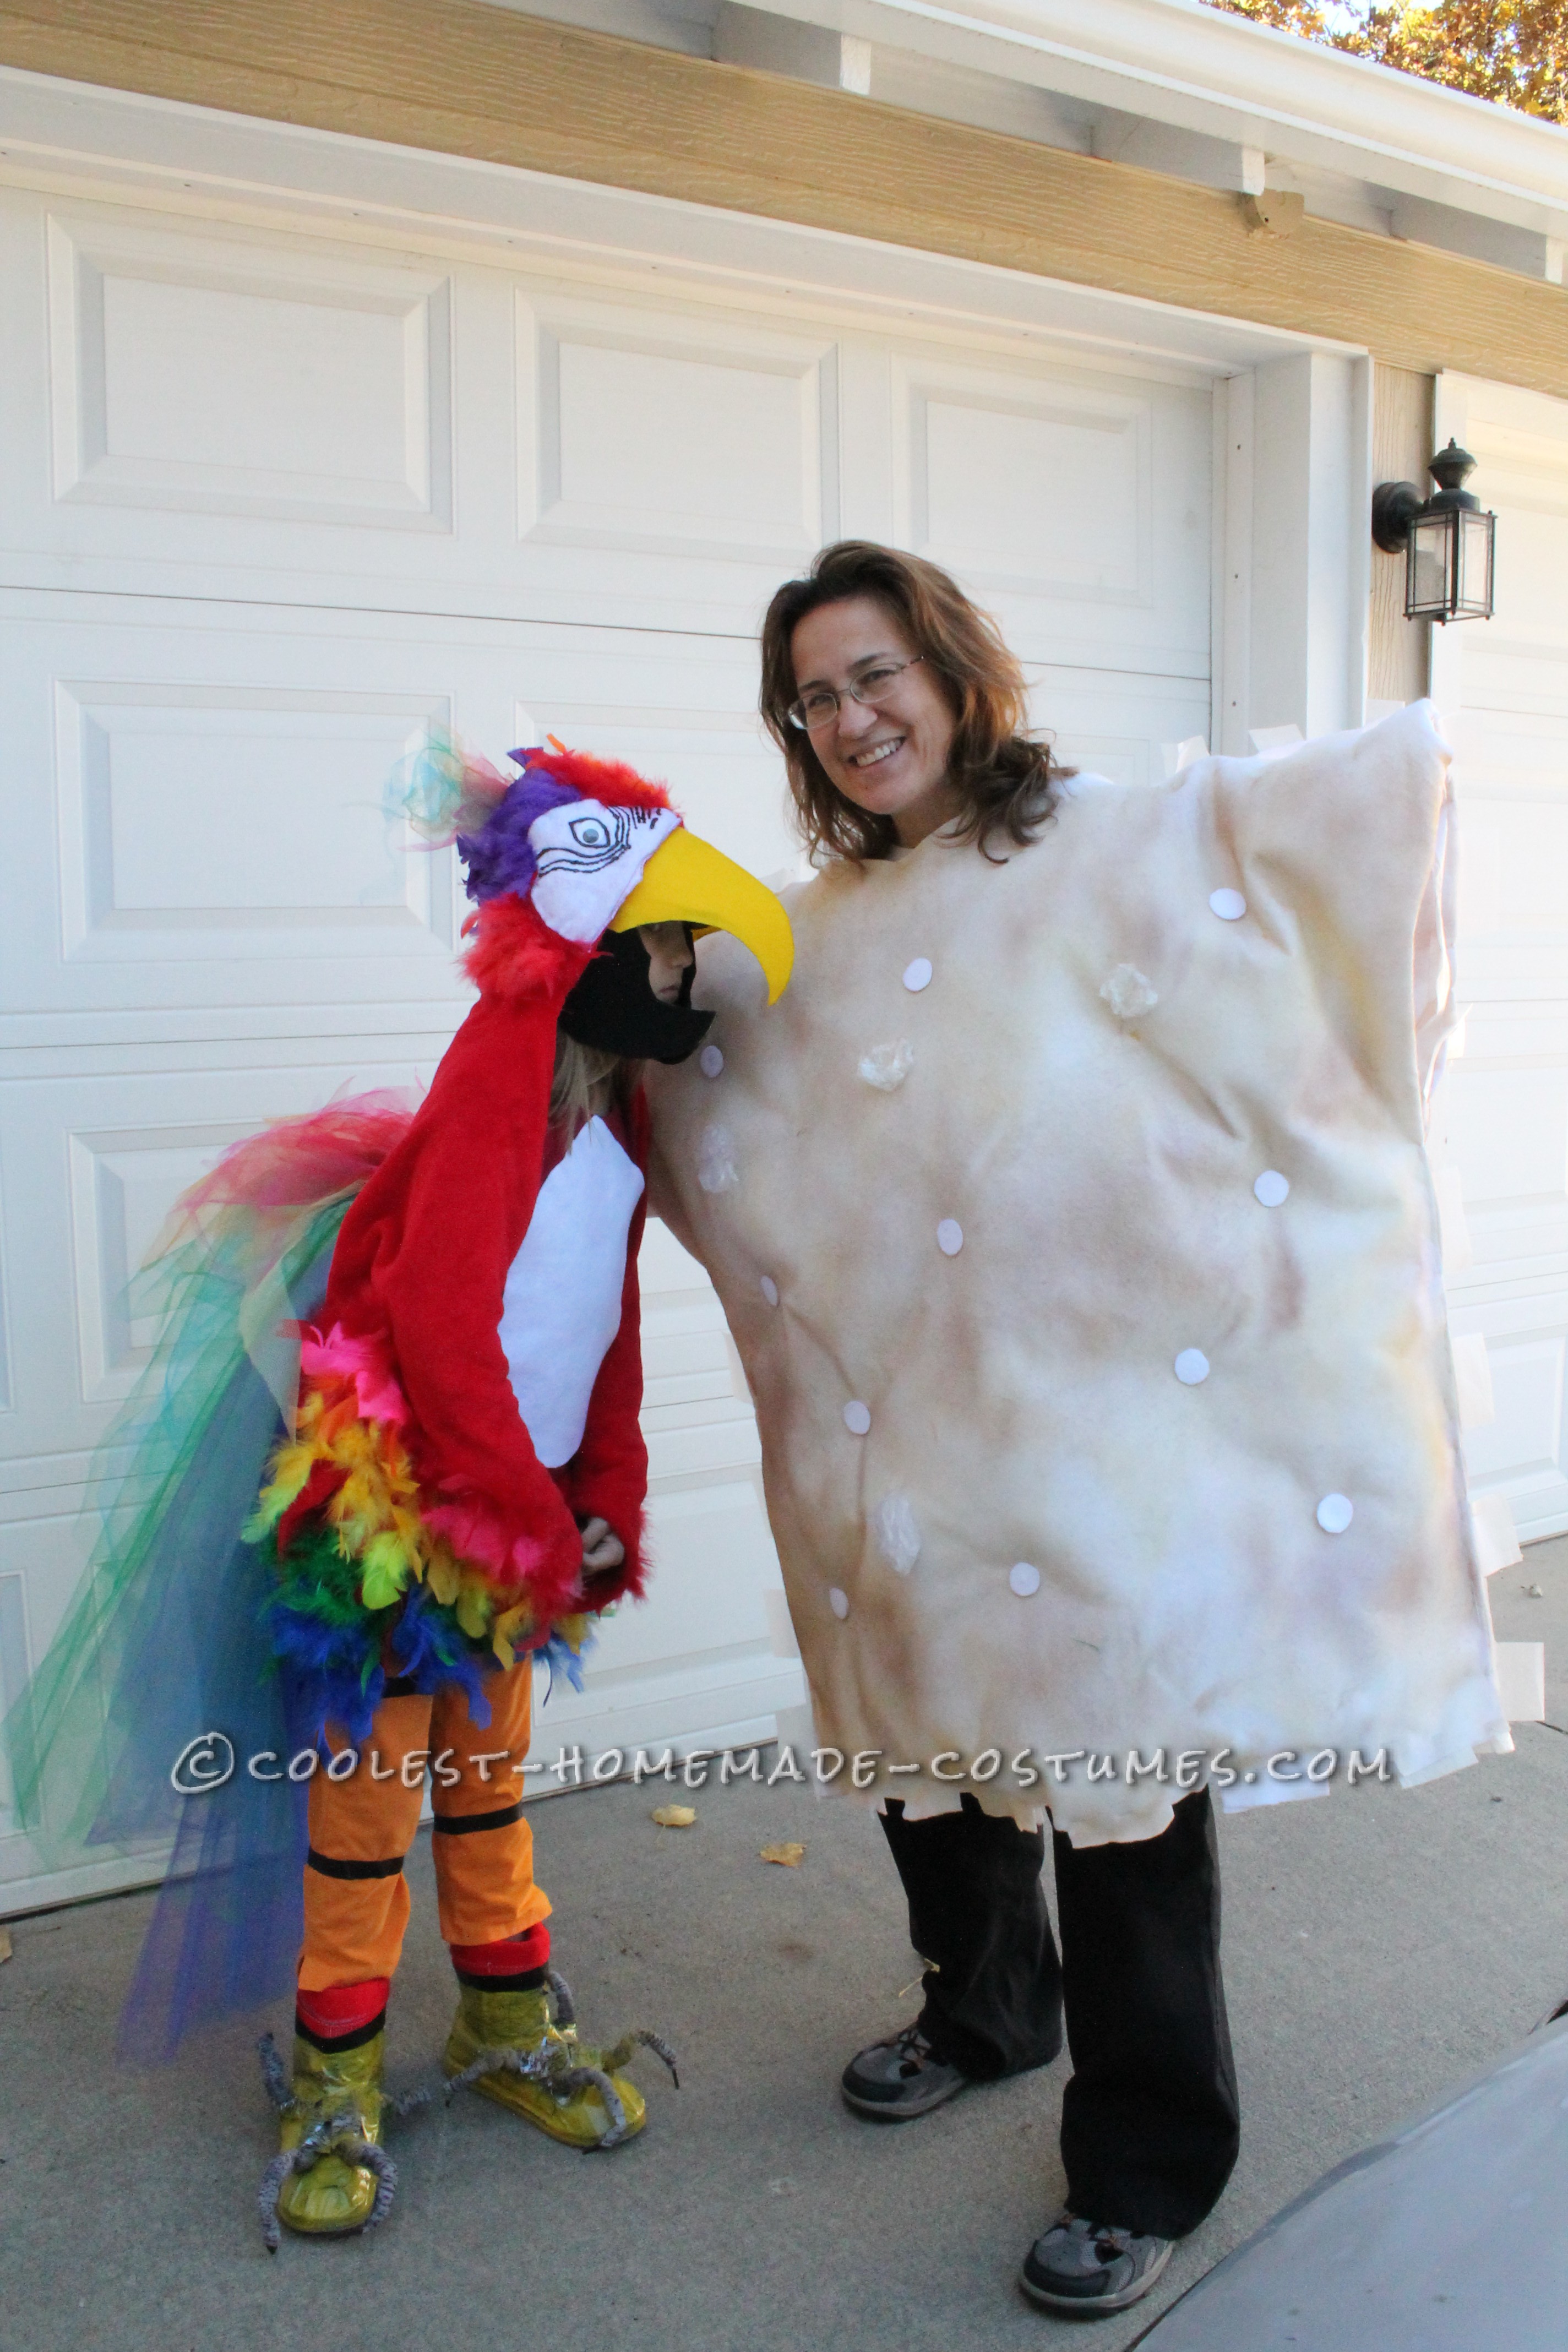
x: 1379, y: 1946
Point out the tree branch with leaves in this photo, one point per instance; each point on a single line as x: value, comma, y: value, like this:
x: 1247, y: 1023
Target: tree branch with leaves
x: 1514, y: 52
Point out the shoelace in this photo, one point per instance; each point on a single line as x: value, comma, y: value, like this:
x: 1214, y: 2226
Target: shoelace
x: 1106, y: 2240
x: 914, y: 2050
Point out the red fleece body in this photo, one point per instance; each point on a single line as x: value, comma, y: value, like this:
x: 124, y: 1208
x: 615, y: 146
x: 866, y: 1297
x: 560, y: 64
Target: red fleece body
x: 420, y: 1270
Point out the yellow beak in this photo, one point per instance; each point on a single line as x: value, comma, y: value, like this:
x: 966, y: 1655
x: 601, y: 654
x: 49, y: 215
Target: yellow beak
x: 688, y: 881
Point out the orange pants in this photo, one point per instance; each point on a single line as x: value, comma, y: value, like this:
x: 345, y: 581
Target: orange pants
x: 356, y: 1897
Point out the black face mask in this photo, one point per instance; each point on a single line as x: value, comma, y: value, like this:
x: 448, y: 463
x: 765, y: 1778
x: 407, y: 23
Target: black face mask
x: 613, y: 1007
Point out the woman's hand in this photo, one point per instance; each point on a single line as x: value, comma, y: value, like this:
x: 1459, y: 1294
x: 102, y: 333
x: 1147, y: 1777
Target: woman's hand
x: 601, y: 1549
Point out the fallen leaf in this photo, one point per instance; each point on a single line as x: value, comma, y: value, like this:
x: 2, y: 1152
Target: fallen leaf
x: 675, y: 1817
x: 5, y: 1943
x: 791, y: 1856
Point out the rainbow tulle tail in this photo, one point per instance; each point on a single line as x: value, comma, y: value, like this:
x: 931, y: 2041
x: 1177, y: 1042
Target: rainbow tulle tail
x: 164, y: 1641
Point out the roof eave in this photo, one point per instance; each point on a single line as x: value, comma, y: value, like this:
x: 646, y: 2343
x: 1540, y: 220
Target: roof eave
x: 1181, y: 62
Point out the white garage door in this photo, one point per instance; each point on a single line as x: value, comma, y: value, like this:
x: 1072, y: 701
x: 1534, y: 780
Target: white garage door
x: 1504, y: 686
x: 275, y: 502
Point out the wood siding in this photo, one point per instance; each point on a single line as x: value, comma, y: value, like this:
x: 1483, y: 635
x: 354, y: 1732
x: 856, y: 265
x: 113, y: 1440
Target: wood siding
x: 1398, y: 651
x: 472, y: 80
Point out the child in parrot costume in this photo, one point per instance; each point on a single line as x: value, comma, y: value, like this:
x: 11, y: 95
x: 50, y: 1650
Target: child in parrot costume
x: 440, y: 1304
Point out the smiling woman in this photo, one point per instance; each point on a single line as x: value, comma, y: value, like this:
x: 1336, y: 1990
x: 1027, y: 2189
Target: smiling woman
x: 1072, y: 1221
x: 899, y: 709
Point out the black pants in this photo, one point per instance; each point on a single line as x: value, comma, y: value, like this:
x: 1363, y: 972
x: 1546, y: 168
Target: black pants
x: 1149, y: 2120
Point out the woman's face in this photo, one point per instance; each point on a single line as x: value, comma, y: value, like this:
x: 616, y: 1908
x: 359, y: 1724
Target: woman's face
x: 891, y: 759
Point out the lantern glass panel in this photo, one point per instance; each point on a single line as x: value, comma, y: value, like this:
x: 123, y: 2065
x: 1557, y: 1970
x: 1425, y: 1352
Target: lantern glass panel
x: 1473, y: 580
x: 1430, y: 567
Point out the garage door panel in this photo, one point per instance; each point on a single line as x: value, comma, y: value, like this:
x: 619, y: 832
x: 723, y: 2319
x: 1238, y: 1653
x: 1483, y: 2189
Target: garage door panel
x: 89, y: 1169
x: 697, y: 1414
x: 1511, y: 851
x: 1514, y: 678
x: 988, y: 457
x: 1523, y: 1454
x: 1042, y: 490
x: 1116, y: 724
x: 1527, y: 1438
x: 16, y: 1647
x: 209, y: 811
x: 228, y: 377
x: 44, y: 1558
x: 122, y: 1185
x: 195, y: 820
x: 1509, y: 1130
x: 1502, y: 1120
x: 1520, y: 440
x: 641, y: 428
x: 277, y: 400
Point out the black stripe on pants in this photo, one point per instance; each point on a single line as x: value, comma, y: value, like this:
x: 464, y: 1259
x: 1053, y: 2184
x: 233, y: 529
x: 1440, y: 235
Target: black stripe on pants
x: 1150, y: 2119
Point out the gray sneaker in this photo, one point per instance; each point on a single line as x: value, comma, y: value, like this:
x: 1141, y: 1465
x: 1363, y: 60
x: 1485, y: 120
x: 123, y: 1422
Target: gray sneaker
x: 1081, y: 2267
x: 897, y: 2080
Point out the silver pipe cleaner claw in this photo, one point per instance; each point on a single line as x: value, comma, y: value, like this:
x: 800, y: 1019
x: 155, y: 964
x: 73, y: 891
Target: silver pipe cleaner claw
x: 565, y: 2007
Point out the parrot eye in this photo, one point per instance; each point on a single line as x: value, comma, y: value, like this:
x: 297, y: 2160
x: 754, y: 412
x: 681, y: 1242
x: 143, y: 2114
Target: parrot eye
x: 590, y: 833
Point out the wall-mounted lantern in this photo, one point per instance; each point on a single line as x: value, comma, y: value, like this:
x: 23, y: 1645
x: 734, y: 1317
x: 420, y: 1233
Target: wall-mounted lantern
x: 1448, y: 543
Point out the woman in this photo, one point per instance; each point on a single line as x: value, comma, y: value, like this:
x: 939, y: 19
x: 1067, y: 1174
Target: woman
x: 1072, y: 1220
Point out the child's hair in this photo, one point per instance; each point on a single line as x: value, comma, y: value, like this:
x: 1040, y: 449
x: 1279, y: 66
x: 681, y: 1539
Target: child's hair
x: 587, y: 1080
x: 1005, y: 780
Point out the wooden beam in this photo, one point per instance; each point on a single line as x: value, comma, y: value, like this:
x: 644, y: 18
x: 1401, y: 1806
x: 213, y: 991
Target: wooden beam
x: 463, y: 79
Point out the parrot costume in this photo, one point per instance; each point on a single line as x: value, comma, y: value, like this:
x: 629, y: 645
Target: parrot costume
x: 416, y: 1329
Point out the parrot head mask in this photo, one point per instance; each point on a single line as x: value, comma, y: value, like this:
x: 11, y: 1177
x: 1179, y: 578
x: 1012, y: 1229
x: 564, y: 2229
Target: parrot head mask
x: 593, y: 852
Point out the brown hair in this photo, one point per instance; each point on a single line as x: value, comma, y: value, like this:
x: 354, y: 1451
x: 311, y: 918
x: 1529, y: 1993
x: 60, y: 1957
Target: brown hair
x: 1005, y: 780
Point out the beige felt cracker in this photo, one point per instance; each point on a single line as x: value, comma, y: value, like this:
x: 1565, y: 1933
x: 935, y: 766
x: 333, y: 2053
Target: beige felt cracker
x: 1100, y: 1364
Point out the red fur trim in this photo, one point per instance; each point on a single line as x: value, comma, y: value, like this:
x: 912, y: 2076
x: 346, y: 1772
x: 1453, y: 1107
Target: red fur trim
x: 340, y: 2009
x: 515, y: 956
x: 610, y: 781
x: 512, y: 1957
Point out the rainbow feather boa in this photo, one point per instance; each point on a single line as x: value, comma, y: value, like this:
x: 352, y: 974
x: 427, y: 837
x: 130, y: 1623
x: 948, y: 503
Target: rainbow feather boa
x: 369, y: 1572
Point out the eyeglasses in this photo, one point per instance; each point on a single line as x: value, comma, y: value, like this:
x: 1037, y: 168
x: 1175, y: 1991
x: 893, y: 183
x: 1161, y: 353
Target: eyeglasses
x: 820, y: 704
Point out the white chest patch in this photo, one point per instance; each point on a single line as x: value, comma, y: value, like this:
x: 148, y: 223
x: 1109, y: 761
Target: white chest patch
x: 562, y: 1306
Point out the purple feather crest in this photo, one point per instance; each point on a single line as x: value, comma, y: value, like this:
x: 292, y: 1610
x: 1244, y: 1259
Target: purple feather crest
x: 497, y: 857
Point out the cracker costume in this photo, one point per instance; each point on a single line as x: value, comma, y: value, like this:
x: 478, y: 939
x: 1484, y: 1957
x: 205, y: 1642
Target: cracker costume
x: 1073, y: 1221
